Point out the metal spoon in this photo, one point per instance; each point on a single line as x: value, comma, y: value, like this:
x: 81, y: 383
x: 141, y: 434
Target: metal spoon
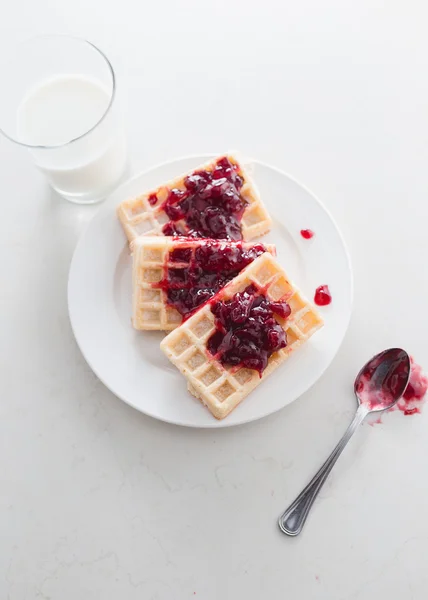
x: 378, y: 386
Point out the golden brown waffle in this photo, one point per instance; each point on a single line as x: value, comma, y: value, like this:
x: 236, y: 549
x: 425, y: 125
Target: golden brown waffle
x: 222, y: 389
x: 150, y: 310
x: 139, y: 217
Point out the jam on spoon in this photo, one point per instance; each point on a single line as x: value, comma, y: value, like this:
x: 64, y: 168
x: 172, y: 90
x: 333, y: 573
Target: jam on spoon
x: 413, y: 398
x: 383, y: 380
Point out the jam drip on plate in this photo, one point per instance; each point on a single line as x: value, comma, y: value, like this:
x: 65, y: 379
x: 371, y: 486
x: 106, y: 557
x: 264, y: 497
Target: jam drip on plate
x: 247, y: 333
x: 211, y: 206
x: 192, y: 279
x: 322, y: 295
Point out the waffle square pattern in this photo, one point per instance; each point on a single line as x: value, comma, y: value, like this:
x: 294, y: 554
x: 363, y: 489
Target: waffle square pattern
x: 145, y: 215
x: 155, y: 260
x: 222, y: 388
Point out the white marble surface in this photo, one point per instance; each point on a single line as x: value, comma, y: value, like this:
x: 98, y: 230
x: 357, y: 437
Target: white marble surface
x: 100, y: 502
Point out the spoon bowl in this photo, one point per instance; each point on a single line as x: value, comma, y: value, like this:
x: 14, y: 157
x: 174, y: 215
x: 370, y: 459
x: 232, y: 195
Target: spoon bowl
x: 383, y: 380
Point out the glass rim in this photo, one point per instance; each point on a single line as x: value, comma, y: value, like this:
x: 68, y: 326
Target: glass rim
x: 100, y: 120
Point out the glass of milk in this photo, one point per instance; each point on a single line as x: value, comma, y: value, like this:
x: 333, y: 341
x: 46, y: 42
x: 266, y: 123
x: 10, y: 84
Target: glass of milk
x: 59, y: 100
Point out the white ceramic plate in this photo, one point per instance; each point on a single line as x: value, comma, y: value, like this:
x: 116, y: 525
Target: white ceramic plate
x: 131, y: 364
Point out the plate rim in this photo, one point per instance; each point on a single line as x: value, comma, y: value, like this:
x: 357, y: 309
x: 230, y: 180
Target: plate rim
x: 216, y: 423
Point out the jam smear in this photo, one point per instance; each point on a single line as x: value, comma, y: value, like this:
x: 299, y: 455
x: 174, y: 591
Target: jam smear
x: 204, y: 273
x: 307, y: 234
x: 247, y: 333
x: 322, y: 295
x: 211, y: 206
x: 414, y: 396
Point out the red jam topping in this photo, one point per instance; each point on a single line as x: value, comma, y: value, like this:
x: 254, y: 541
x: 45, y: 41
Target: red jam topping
x: 307, y: 234
x: 322, y: 295
x: 211, y: 206
x: 152, y: 199
x: 193, y: 278
x: 172, y: 229
x: 247, y: 333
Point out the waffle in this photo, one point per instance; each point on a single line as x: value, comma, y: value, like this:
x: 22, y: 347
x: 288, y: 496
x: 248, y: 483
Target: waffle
x: 222, y: 389
x: 150, y: 310
x: 142, y: 216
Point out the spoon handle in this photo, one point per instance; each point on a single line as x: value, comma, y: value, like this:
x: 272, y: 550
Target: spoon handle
x: 292, y: 520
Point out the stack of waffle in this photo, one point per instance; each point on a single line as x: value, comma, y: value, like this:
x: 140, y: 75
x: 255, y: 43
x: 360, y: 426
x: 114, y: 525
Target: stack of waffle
x: 166, y: 268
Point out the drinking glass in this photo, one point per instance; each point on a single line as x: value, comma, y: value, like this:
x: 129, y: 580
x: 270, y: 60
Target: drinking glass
x: 59, y: 101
